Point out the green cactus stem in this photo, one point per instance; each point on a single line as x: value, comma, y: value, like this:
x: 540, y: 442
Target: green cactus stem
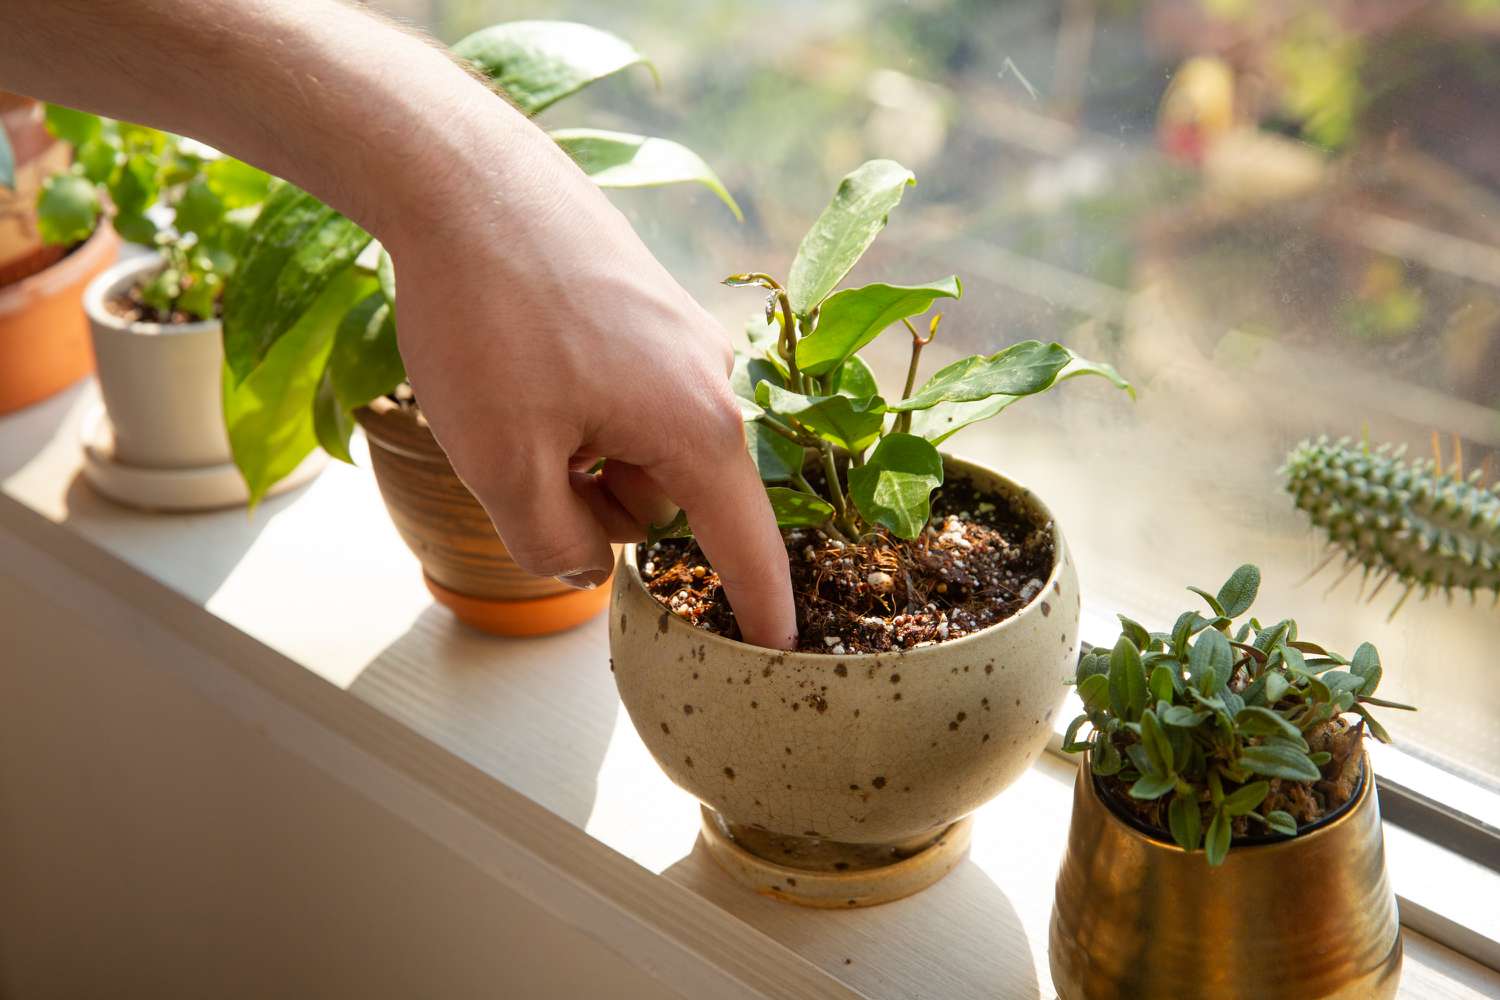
x: 1408, y: 521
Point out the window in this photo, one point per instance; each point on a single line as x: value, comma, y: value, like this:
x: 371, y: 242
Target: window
x: 1302, y: 238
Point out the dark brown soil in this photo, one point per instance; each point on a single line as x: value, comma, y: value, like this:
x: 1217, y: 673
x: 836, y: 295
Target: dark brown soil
x: 980, y: 560
x: 133, y: 309
x: 1307, y: 802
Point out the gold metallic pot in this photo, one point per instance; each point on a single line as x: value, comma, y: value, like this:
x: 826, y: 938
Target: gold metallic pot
x: 1308, y: 917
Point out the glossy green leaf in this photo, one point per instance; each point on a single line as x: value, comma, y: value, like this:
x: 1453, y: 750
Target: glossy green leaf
x: 1020, y: 370
x: 1185, y: 822
x: 1094, y: 692
x: 1158, y: 748
x: 847, y: 227
x: 1372, y: 724
x: 67, y: 209
x: 939, y: 423
x: 621, y: 160
x: 1183, y: 717
x: 270, y: 415
x: 97, y: 158
x: 855, y: 380
x: 237, y: 183
x: 332, y: 424
x: 71, y: 125
x: 851, y: 424
x: 1366, y: 665
x: 1276, y: 761
x: 1211, y: 652
x: 1127, y: 681
x: 293, y: 252
x: 850, y: 319
x: 776, y: 456
x: 1160, y: 683
x: 795, y: 509
x: 1342, y: 681
x: 894, y: 486
x: 1246, y: 798
x: 1151, y: 786
x: 678, y: 527
x: 1239, y: 591
x: 1282, y: 822
x: 365, y: 362
x: 537, y: 63
x: 1213, y: 602
x: 1070, y: 742
x: 385, y: 271
x: 1256, y: 720
x: 1216, y: 844
x: 1275, y: 689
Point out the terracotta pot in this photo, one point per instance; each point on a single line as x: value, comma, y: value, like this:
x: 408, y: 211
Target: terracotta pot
x: 1312, y: 916
x: 842, y: 780
x: 44, y: 339
x: 466, y: 566
x: 38, y: 155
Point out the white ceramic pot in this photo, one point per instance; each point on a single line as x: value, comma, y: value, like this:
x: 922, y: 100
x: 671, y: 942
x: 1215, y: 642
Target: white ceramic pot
x: 160, y: 382
x: 841, y: 780
x: 161, y: 442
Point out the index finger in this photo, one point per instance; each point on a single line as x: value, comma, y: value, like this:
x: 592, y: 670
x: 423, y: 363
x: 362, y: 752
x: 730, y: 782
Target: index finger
x: 732, y: 521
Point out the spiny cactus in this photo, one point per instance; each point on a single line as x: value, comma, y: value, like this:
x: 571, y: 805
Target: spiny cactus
x: 1410, y: 521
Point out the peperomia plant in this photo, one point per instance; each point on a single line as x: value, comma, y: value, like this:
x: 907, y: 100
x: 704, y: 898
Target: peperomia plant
x: 213, y: 200
x: 309, y: 323
x: 807, y: 395
x: 1210, y: 728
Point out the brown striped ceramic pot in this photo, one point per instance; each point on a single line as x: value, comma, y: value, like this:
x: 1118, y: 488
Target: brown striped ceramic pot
x: 845, y: 780
x: 466, y: 566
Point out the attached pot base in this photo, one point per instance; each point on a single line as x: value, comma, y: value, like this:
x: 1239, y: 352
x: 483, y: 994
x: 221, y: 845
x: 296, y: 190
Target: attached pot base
x: 529, y: 616
x: 861, y: 879
x: 211, y: 487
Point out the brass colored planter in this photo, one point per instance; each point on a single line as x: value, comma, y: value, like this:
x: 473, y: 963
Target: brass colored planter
x: 1298, y: 919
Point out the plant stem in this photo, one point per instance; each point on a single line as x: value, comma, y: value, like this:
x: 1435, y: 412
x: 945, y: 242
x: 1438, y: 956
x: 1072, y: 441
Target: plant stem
x: 800, y: 481
x: 787, y: 346
x: 835, y: 491
x: 903, y: 419
x: 787, y: 432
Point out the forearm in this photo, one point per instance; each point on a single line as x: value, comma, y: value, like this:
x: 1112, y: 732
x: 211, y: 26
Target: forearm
x: 361, y: 113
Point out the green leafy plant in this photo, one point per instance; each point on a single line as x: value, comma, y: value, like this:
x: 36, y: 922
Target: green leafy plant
x: 309, y: 322
x: 809, y: 398
x: 1411, y: 522
x: 213, y: 199
x: 1209, y: 731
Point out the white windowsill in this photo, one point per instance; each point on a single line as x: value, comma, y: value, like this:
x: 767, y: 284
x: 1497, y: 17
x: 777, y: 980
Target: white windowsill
x: 321, y: 578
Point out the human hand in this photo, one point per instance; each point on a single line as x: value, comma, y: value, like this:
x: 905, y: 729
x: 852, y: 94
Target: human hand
x: 540, y: 334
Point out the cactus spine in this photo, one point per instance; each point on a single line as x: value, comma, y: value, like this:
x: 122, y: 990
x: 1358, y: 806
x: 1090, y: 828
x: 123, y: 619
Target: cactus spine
x: 1409, y: 521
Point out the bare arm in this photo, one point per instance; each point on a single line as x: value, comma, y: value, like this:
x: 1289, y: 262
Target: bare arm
x: 537, y: 326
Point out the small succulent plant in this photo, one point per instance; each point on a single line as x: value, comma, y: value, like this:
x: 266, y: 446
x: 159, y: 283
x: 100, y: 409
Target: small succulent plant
x: 1212, y: 731
x: 1408, y: 521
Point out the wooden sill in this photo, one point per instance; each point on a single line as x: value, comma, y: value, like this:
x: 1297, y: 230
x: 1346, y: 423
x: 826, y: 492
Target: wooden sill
x: 311, y: 620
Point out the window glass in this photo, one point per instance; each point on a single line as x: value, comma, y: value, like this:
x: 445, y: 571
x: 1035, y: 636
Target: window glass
x: 1279, y: 218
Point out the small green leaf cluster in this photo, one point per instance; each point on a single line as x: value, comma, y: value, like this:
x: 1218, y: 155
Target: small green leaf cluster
x: 808, y: 396
x: 1413, y: 522
x: 310, y: 321
x: 213, y: 200
x: 1212, y: 714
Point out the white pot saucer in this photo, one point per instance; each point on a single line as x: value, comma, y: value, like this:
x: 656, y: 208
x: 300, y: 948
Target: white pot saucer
x: 210, y: 487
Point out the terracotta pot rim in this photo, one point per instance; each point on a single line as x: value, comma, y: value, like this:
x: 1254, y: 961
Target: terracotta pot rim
x: 122, y: 274
x: 67, y: 271
x: 1325, y: 826
x: 632, y: 578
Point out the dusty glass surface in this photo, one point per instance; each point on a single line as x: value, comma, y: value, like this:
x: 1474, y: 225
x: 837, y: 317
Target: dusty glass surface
x: 1299, y: 236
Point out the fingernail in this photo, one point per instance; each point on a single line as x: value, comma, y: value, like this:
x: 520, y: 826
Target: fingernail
x: 589, y: 579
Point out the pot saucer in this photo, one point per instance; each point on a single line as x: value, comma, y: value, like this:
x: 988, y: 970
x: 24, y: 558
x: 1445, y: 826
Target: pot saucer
x: 524, y: 617
x: 860, y: 884
x: 211, y: 487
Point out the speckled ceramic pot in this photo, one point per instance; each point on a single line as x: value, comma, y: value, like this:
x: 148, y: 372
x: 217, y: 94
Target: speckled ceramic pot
x: 823, y: 769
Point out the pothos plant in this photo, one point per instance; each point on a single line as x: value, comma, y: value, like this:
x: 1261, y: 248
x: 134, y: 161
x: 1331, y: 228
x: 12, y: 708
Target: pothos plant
x: 810, y: 400
x: 310, y: 322
x: 127, y: 169
x: 1214, y: 727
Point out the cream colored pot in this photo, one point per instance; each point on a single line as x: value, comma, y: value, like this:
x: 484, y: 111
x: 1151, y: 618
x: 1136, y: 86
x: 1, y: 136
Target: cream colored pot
x: 841, y: 780
x: 160, y: 382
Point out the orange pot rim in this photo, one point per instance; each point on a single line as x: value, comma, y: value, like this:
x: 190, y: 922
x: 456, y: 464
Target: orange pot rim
x: 526, y: 617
